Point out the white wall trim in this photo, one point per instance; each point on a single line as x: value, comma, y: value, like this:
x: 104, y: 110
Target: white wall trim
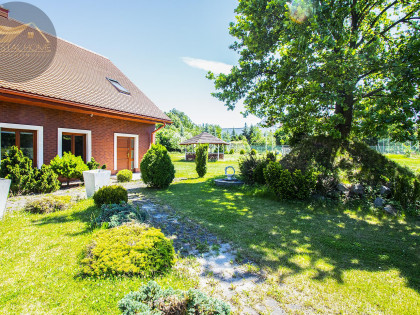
x: 136, y: 148
x: 39, y: 138
x: 88, y: 134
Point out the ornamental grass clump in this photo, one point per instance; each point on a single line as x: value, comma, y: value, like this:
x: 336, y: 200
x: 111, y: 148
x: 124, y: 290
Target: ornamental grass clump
x: 48, y: 204
x: 201, y: 159
x: 157, y: 169
x: 152, y: 299
x: 128, y: 250
x: 110, y: 195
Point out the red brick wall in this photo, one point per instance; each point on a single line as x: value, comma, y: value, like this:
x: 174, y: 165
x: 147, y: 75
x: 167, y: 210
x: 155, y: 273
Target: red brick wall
x: 102, y: 129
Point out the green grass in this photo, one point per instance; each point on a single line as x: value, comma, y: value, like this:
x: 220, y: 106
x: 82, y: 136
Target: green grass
x: 332, y: 258
x: 411, y: 162
x: 39, y: 257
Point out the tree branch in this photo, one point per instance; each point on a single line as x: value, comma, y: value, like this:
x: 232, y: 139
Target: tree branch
x: 372, y: 93
x: 404, y: 19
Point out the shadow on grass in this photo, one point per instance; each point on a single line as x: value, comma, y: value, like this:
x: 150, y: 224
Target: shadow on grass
x: 301, y: 236
x: 82, y: 215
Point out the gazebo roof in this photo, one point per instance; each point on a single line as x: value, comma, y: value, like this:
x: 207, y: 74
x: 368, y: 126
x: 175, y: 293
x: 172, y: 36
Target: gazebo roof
x: 204, y: 138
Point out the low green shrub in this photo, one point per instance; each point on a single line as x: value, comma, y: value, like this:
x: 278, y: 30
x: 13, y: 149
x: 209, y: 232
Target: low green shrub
x: 114, y: 215
x: 152, y: 299
x: 259, y: 171
x: 69, y: 166
x: 253, y: 152
x: 157, y: 169
x: 110, y: 195
x: 201, y: 158
x: 252, y: 169
x: 103, y: 167
x: 242, y: 152
x: 232, y: 151
x: 289, y: 185
x: 124, y: 176
x: 128, y: 250
x: 48, y: 204
x: 25, y: 178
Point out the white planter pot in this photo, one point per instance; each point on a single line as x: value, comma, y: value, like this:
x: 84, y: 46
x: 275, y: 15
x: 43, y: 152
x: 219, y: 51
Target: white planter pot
x: 4, y: 192
x: 95, y: 179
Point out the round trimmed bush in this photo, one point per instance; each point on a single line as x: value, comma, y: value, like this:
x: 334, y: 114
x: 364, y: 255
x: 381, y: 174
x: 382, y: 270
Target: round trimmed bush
x: 128, y: 250
x: 253, y: 152
x: 124, y: 176
x: 110, y: 195
x: 242, y: 152
x: 157, y: 169
x: 232, y: 151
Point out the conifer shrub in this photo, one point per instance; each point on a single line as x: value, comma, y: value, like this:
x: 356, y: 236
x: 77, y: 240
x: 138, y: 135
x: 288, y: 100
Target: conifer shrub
x: 242, y: 152
x: 114, y: 194
x: 152, y: 299
x: 25, y: 178
x: 46, y: 180
x: 92, y: 164
x: 157, y: 169
x: 201, y: 158
x: 130, y: 250
x: 69, y: 166
x: 48, y: 204
x: 232, y: 151
x: 271, y: 156
x: 114, y: 215
x: 124, y: 176
x: 289, y: 185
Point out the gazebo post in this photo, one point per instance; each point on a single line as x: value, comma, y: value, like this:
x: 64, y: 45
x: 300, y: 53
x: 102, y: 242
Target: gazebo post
x: 218, y: 155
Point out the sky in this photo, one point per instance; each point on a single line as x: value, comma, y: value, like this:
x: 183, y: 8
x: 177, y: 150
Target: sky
x: 166, y: 47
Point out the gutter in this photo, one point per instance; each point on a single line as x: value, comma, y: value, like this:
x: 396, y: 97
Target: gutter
x: 152, y: 136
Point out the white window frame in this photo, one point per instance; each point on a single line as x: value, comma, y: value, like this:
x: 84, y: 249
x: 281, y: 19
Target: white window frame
x: 136, y: 148
x: 39, y: 138
x: 88, y: 134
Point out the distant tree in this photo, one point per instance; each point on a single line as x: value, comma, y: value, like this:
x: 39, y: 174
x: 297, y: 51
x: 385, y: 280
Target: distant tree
x: 234, y: 138
x: 246, y: 132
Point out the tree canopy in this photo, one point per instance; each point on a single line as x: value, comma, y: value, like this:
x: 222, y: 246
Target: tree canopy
x: 336, y: 68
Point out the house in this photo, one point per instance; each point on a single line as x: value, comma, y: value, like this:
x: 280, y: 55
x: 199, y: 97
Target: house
x: 81, y: 103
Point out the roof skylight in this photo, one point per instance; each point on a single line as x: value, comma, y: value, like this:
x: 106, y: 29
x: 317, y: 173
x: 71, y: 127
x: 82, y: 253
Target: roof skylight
x: 118, y: 86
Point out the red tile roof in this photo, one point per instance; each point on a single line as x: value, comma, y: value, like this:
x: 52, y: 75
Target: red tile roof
x: 80, y: 76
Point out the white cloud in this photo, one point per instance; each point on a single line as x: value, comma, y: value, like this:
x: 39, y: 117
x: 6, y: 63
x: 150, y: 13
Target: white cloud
x: 208, y: 65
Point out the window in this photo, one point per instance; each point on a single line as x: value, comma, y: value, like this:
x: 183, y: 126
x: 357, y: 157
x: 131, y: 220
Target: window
x: 75, y: 144
x: 25, y: 140
x: 118, y: 86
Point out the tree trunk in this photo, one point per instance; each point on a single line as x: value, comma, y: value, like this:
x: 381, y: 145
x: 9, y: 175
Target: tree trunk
x: 346, y: 111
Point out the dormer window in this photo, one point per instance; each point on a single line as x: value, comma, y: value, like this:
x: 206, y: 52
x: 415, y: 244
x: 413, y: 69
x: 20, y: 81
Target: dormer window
x: 118, y: 86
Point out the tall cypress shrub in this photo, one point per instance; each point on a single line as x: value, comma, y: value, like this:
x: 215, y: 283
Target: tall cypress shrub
x: 201, y: 158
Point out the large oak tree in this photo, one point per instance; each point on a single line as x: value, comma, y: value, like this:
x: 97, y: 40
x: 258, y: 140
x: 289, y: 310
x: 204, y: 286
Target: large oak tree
x: 332, y: 67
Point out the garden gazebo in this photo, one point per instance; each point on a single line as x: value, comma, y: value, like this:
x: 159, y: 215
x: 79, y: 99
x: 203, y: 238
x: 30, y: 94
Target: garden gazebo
x: 204, y: 138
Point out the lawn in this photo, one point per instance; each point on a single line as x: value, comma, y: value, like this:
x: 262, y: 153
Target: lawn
x: 324, y: 257
x: 412, y: 162
x: 39, y: 257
